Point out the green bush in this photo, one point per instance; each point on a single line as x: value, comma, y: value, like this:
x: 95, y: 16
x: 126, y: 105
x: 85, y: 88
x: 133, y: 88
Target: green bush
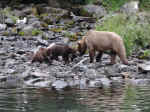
x: 36, y: 32
x: 83, y: 2
x: 71, y: 36
x: 113, y: 5
x: 145, y: 54
x: 135, y: 35
x: 21, y: 33
x: 145, y: 4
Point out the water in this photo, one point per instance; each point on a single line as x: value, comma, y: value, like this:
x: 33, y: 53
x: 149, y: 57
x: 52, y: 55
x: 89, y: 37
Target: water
x: 124, y: 98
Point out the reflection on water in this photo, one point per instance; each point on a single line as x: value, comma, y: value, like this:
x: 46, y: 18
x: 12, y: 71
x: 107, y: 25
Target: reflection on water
x: 125, y: 98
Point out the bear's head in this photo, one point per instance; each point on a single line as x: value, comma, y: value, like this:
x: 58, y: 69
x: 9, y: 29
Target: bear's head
x: 81, y: 46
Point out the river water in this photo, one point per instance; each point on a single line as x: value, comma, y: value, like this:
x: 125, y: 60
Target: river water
x: 123, y: 98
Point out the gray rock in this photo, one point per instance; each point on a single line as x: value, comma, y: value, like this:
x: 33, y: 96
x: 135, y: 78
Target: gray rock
x: 40, y: 41
x: 32, y: 19
x: 39, y: 82
x: 105, y: 82
x: 95, y: 83
x: 59, y: 84
x: 9, y: 22
x: 91, y: 73
x: 3, y: 26
x: 36, y: 24
x: 39, y: 74
x: 80, y: 67
x: 144, y: 67
x: 11, y: 81
x: 27, y: 30
x: 47, y: 35
x: 45, y: 83
x: 26, y: 11
x: 94, y: 10
x: 130, y: 7
x: 66, y: 40
x: 19, y: 13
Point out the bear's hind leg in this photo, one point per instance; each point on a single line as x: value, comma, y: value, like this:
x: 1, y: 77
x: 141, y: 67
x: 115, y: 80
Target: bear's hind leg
x: 113, y: 57
x: 123, y: 59
x: 91, y: 54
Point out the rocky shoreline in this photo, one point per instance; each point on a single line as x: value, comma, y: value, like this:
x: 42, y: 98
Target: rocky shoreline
x: 47, y: 25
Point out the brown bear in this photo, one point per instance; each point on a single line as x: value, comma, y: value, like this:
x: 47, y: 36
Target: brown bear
x: 40, y: 55
x: 59, y: 49
x: 101, y: 41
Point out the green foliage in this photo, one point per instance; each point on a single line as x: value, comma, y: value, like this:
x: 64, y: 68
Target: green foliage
x: 71, y: 36
x: 145, y: 55
x: 82, y: 1
x: 56, y: 30
x: 36, y: 32
x: 145, y: 4
x: 21, y: 33
x: 134, y: 35
x: 8, y: 13
x: 6, y: 33
x: 113, y: 5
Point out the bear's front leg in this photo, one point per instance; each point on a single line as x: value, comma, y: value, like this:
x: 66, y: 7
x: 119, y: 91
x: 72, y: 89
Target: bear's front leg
x: 49, y: 60
x: 91, y: 54
x: 66, y: 59
x: 99, y: 56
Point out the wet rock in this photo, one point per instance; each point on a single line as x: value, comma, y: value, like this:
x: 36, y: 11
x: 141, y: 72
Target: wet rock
x: 131, y: 7
x: 95, y: 83
x: 11, y: 81
x: 3, y: 53
x: 144, y: 67
x: 140, y: 82
x: 80, y: 67
x: 39, y: 74
x: 93, y: 10
x: 105, y: 82
x: 3, y: 26
x: 59, y: 84
x: 44, y: 83
x: 91, y: 73
x: 40, y: 41
x: 33, y: 81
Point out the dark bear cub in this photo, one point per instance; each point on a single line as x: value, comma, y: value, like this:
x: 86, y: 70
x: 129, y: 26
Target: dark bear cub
x: 59, y: 49
x: 40, y: 55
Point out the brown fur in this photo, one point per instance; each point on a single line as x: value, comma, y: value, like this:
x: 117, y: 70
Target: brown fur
x: 63, y: 50
x: 101, y: 41
x: 40, y: 55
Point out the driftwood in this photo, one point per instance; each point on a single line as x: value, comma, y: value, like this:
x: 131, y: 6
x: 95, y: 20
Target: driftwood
x: 82, y: 18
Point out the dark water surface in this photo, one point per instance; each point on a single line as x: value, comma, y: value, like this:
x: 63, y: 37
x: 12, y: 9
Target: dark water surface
x: 124, y: 98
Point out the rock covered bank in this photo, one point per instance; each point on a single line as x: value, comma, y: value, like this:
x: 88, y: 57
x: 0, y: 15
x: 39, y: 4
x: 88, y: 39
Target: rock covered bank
x: 43, y: 25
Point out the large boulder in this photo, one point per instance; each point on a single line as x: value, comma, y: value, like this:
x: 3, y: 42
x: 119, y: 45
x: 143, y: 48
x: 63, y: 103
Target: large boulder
x: 93, y: 10
x: 27, y: 30
x: 130, y: 7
